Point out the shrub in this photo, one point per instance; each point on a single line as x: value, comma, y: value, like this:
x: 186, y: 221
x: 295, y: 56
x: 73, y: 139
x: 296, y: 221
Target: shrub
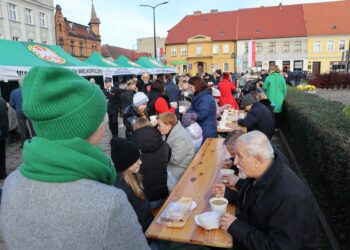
x: 319, y: 133
x: 331, y: 80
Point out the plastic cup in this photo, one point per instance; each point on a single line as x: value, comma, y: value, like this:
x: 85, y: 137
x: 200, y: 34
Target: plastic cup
x: 173, y: 104
x: 242, y: 115
x: 218, y: 205
x: 182, y: 109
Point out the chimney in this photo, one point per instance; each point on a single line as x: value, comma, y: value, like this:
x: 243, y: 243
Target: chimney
x: 214, y: 11
x: 197, y: 12
x: 280, y: 6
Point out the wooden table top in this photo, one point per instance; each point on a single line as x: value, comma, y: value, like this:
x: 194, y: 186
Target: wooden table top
x: 231, y: 125
x: 196, y: 183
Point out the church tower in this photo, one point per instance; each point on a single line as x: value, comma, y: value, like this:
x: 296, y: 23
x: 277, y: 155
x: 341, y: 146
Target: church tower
x: 94, y: 22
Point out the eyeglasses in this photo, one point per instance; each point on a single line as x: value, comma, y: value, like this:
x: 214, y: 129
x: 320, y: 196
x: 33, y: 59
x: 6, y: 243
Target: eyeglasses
x: 161, y: 125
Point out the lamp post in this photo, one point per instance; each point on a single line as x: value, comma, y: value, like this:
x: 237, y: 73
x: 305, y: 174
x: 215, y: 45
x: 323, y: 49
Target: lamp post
x: 154, y: 24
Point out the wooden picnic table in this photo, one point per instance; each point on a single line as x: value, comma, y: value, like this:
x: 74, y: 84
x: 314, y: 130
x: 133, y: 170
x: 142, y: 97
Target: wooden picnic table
x: 196, y: 183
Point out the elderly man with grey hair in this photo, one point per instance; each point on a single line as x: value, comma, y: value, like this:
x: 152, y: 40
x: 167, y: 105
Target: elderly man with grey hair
x: 145, y: 84
x: 275, y: 209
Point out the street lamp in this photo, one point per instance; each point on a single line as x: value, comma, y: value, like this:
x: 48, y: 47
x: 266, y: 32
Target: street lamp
x: 154, y: 24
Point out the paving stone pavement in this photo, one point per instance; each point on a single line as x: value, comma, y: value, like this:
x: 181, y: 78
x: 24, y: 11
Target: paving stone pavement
x: 14, y: 152
x: 342, y: 96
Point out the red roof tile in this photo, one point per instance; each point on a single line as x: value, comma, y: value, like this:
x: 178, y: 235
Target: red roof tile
x: 297, y: 20
x: 80, y: 30
x: 115, y: 52
x: 329, y: 18
x: 219, y: 26
x: 271, y: 22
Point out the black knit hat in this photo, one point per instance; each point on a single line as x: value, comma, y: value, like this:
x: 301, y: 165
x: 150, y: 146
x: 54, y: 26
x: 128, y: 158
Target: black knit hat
x: 247, y: 100
x: 124, y: 153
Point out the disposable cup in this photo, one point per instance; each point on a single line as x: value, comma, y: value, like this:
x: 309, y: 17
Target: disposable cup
x: 182, y: 109
x: 153, y: 118
x: 218, y: 205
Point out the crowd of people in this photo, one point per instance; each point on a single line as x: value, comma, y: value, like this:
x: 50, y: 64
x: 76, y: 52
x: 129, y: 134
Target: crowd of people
x: 68, y: 194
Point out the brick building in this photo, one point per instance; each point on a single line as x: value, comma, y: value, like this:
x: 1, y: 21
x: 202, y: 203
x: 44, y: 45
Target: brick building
x: 77, y: 39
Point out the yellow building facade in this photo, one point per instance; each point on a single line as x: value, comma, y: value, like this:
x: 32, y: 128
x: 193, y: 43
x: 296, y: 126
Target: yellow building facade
x: 201, y: 55
x: 328, y: 53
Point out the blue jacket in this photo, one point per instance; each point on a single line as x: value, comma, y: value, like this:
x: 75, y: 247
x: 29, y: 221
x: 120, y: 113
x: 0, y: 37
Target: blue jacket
x: 204, y: 105
x: 16, y: 100
x: 172, y: 91
x: 259, y: 118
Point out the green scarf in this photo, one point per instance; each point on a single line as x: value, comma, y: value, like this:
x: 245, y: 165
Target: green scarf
x: 65, y: 161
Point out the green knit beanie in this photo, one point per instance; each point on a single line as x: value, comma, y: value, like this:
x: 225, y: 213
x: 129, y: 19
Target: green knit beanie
x: 61, y: 104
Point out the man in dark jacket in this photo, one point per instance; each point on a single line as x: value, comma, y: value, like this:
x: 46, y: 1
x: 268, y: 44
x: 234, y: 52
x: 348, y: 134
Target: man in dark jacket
x: 145, y: 84
x: 16, y: 103
x: 113, y: 99
x: 171, y: 89
x: 4, y: 127
x: 275, y: 209
x: 259, y: 117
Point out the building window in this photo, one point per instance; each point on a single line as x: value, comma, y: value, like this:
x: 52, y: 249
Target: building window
x: 330, y: 45
x: 44, y: 42
x: 199, y: 49
x: 286, y: 65
x: 15, y: 38
x: 30, y: 40
x: 13, y: 12
x: 61, y: 42
x: 226, y: 48
x: 94, y: 47
x: 183, y: 50
x: 226, y: 65
x: 184, y: 68
x: 42, y: 19
x: 81, y: 48
x: 317, y: 46
x: 258, y: 64
x: 298, y: 65
x: 173, y: 51
x: 60, y: 27
x: 29, y: 16
x: 285, y: 46
x: 258, y: 47
x: 72, y: 47
x: 298, y: 46
x: 215, y: 49
x: 272, y: 47
x: 342, y: 45
x: 216, y: 66
x: 246, y: 47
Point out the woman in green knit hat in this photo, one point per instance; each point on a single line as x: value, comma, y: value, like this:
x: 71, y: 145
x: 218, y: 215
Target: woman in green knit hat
x: 62, y: 195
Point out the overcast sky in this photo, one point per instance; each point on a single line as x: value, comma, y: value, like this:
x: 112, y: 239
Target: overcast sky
x: 123, y: 21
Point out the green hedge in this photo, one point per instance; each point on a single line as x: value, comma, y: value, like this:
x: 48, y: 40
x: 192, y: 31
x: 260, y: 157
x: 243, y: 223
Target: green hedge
x: 319, y: 133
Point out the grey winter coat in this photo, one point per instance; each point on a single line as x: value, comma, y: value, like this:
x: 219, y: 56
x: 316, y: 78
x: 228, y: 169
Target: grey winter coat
x: 83, y: 214
x: 182, y: 152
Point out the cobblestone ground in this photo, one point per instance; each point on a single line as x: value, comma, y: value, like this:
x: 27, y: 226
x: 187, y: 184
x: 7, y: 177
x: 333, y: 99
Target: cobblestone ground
x: 342, y: 96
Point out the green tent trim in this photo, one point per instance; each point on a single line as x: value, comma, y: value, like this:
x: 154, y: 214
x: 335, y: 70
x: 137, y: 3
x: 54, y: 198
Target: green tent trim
x: 126, y: 62
x: 179, y: 62
x: 98, y: 60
